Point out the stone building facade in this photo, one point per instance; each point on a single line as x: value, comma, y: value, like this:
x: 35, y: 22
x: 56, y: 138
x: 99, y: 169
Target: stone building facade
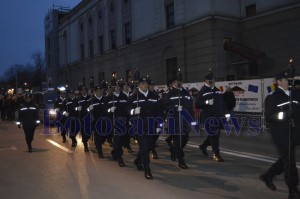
x: 99, y: 39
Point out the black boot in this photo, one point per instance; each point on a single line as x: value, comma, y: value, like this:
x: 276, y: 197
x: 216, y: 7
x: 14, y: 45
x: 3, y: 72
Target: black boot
x: 86, y: 148
x: 148, y: 174
x: 29, y: 148
x: 121, y: 162
x: 74, y: 142
x: 129, y: 150
x: 293, y: 192
x: 100, y: 155
x: 64, y: 139
x: 203, y: 150
x: 181, y: 163
x: 154, y: 154
x: 172, y: 154
x: 268, y: 180
x: 113, y: 155
x: 169, y: 141
x: 138, y: 164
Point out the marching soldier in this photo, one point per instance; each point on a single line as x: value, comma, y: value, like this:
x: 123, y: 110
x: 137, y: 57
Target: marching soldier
x: 98, y: 109
x: 279, y: 117
x: 28, y: 119
x: 178, y: 99
x: 210, y: 100
x: 117, y: 106
x: 144, y: 104
x: 154, y: 153
x: 72, y: 112
x: 84, y: 101
x: 60, y: 107
x: 127, y: 144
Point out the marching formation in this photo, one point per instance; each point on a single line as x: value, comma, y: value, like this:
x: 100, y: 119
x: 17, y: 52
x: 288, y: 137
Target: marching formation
x: 114, y: 114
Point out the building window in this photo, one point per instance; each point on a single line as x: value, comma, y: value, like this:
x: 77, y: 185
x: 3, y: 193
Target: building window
x: 82, y: 51
x: 171, y: 67
x: 112, y: 7
x: 128, y: 76
x: 101, y: 77
x: 127, y: 33
x: 251, y: 10
x: 81, y: 27
x: 83, y: 81
x: 91, y: 48
x: 90, y: 21
x: 126, y: 1
x: 170, y: 18
x: 113, y: 39
x: 101, y: 44
x: 100, y: 14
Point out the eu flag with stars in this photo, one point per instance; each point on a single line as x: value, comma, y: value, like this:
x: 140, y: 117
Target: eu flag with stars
x: 253, y: 88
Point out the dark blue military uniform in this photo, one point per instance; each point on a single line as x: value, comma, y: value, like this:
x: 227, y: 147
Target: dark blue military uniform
x: 71, y: 110
x: 217, y: 110
x: 278, y: 115
x: 60, y: 108
x: 99, y: 111
x: 150, y: 107
x: 84, y: 102
x: 176, y: 97
x: 119, y: 101
x: 28, y: 119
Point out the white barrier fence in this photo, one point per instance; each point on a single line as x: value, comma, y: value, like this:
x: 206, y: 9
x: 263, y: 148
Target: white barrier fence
x: 249, y: 94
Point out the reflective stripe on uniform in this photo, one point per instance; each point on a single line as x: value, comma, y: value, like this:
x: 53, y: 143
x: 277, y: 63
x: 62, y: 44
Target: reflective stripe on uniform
x: 138, y: 101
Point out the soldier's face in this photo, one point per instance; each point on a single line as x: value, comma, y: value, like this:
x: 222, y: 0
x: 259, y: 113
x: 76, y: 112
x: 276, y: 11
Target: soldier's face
x: 125, y: 88
x: 99, y: 93
x: 83, y: 92
x: 283, y: 83
x: 144, y: 86
x: 28, y: 99
x: 210, y: 82
x: 71, y: 95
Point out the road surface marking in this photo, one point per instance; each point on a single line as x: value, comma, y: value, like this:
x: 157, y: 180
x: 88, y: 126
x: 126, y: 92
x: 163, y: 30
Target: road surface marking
x: 243, y: 154
x: 14, y: 148
x: 59, y: 146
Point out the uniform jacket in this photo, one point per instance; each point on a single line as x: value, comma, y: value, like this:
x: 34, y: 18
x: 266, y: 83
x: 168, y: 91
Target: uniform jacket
x: 28, y: 115
x: 173, y: 98
x: 217, y: 110
x: 151, y: 107
x: 71, y: 107
x: 60, y: 107
x: 84, y: 102
x: 278, y: 102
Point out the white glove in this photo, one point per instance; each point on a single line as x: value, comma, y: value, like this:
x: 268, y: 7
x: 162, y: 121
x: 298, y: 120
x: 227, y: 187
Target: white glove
x: 91, y: 107
x: 79, y: 108
x: 227, y: 116
x: 158, y: 130
x: 179, y: 108
x: 112, y: 109
x: 137, y: 110
x: 281, y: 115
x: 65, y: 113
x: 57, y: 109
x: 38, y: 121
x: 209, y: 102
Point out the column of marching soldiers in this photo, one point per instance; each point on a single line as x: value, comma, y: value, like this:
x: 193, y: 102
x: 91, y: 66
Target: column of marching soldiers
x: 282, y: 112
x: 143, y: 102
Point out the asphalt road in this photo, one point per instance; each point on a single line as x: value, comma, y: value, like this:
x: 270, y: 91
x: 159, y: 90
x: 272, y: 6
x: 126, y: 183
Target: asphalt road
x: 55, y: 170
